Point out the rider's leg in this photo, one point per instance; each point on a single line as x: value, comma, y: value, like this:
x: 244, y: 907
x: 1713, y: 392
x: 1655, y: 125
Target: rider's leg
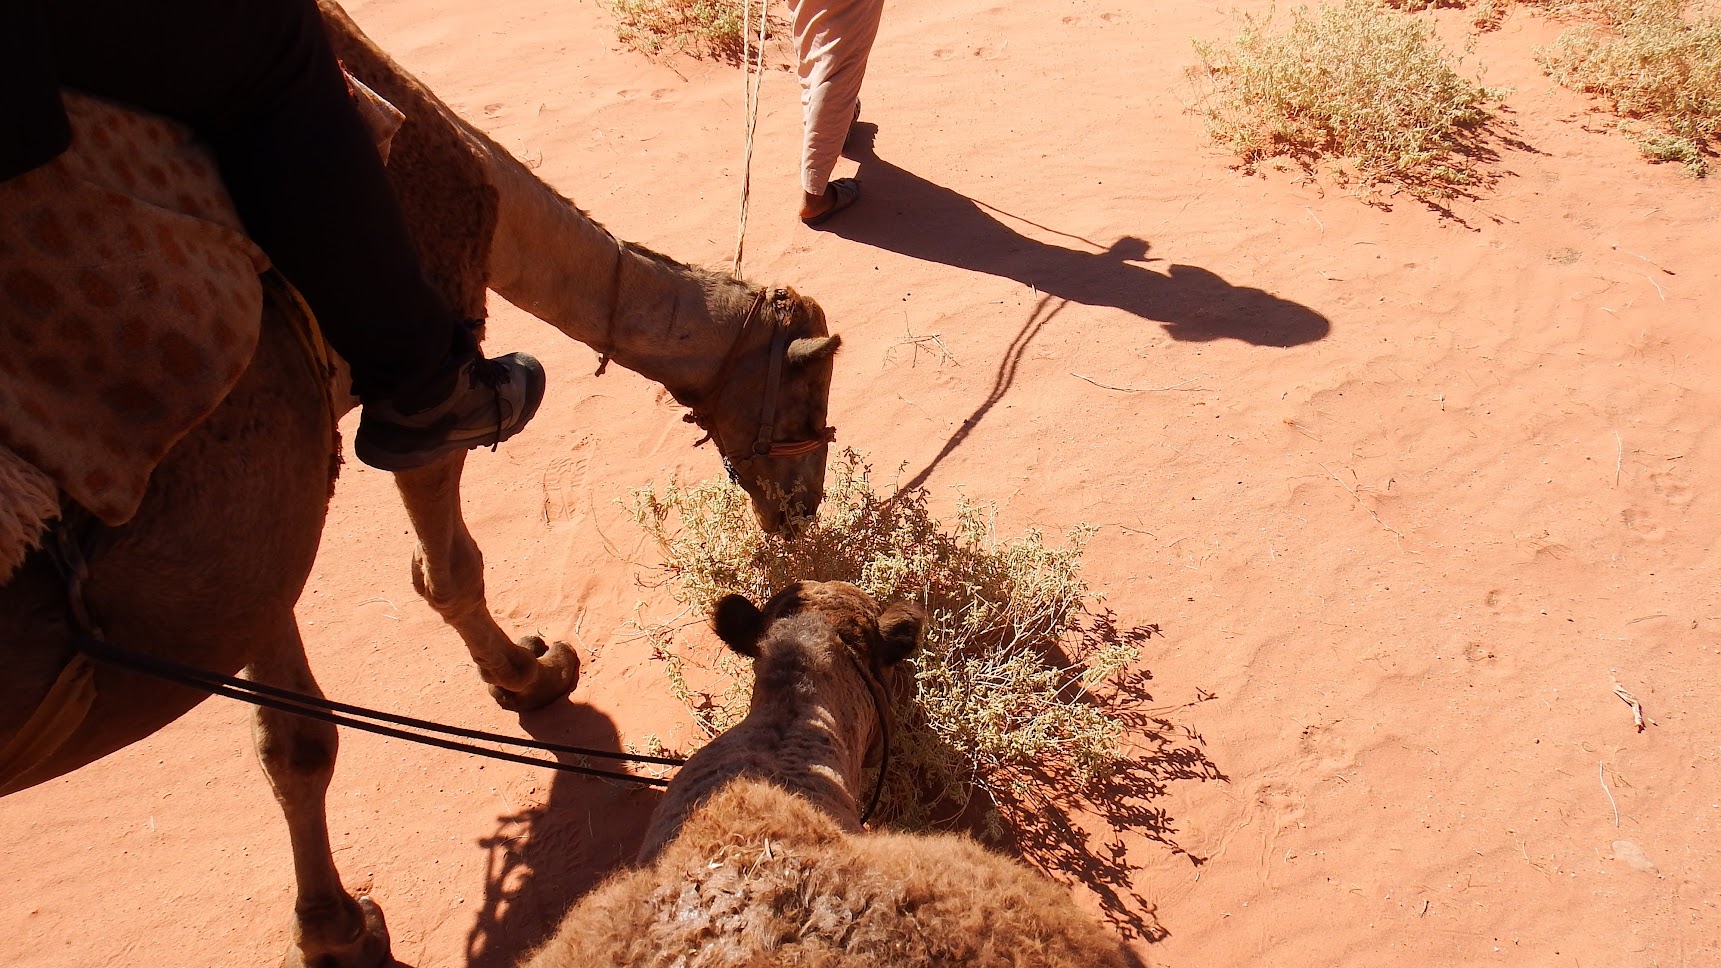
x: 259, y: 80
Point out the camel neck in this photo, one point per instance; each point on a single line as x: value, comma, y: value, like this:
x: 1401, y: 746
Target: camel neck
x: 665, y: 321
x: 821, y: 746
x: 796, y: 739
x: 804, y: 742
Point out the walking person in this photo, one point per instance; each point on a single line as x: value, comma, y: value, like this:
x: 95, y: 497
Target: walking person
x: 833, y: 39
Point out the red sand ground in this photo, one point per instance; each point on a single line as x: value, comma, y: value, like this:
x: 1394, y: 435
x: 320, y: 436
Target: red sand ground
x: 1407, y: 556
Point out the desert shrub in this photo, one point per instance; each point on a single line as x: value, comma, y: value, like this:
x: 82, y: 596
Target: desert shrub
x: 1654, y: 62
x: 702, y: 28
x: 1352, y: 81
x: 1004, y: 687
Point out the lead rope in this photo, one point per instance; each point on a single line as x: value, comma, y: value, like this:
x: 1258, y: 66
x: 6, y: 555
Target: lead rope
x: 67, y: 552
x: 753, y: 74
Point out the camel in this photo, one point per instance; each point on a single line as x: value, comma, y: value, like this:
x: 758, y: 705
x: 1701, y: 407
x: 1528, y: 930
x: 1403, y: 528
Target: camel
x: 209, y: 569
x: 757, y: 855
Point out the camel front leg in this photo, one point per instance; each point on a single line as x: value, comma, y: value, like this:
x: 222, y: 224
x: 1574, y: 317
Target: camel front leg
x: 330, y: 928
x: 448, y: 570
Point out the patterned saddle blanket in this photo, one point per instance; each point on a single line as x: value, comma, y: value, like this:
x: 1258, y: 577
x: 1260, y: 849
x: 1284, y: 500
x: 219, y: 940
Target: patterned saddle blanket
x: 131, y: 302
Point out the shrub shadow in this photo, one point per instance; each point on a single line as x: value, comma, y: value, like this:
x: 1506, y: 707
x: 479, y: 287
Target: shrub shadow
x: 1040, y: 824
x: 544, y: 857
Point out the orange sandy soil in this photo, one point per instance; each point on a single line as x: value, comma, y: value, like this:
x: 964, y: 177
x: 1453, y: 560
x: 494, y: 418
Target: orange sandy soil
x: 1406, y: 494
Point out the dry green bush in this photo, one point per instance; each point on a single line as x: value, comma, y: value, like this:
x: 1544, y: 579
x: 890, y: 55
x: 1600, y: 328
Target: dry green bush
x: 1655, y: 62
x: 1005, y: 685
x: 702, y: 28
x: 1352, y: 81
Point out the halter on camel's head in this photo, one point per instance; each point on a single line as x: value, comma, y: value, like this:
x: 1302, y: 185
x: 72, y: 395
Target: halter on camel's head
x: 766, y: 407
x: 850, y: 637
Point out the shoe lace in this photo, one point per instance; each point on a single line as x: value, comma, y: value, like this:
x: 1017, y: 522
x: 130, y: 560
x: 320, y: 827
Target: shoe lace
x: 490, y: 373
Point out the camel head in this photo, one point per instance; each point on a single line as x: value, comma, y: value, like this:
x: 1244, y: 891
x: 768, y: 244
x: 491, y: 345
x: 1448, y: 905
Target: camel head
x: 767, y: 409
x: 823, y: 637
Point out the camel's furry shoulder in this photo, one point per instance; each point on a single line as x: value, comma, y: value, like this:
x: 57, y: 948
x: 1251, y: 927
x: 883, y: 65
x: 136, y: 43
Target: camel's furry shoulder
x: 760, y: 876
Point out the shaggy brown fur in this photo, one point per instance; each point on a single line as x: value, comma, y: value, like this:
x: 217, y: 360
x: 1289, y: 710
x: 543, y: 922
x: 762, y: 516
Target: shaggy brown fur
x: 756, y: 852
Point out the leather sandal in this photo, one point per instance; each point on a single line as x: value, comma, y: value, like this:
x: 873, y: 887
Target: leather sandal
x: 844, y: 192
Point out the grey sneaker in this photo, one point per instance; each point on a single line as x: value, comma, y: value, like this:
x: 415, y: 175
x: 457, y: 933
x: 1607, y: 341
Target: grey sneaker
x: 485, y: 403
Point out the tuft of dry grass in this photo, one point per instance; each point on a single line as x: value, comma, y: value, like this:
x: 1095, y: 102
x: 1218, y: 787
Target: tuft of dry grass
x: 1655, y: 62
x: 702, y: 28
x: 1352, y: 82
x: 1006, y: 689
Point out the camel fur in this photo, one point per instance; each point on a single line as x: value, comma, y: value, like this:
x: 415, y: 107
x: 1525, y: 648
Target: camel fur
x: 209, y: 568
x: 757, y: 855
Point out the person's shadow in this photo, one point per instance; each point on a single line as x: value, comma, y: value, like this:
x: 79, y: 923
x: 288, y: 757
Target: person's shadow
x: 903, y: 212
x: 545, y: 857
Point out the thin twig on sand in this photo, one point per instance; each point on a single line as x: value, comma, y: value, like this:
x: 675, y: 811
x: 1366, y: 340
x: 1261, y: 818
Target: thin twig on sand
x: 944, y: 354
x: 1353, y: 493
x: 1601, y: 774
x: 1631, y: 700
x: 1648, y: 260
x: 1107, y: 386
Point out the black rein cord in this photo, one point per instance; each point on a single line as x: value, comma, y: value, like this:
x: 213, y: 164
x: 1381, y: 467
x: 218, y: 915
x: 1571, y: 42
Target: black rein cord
x: 371, y: 720
x: 67, y: 553
x: 358, y: 717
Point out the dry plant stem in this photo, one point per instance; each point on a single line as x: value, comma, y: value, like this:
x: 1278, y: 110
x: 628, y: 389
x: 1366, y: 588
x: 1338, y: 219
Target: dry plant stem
x: 1601, y: 775
x: 1631, y: 700
x: 1648, y: 260
x: 944, y: 354
x: 1353, y: 493
x: 1107, y: 386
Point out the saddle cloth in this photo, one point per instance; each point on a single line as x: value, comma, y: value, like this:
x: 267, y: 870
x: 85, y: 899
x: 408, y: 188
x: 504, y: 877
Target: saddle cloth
x: 130, y: 299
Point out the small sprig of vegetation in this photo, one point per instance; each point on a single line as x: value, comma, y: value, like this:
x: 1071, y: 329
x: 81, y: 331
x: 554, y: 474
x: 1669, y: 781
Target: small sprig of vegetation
x: 1352, y: 81
x: 1655, y: 62
x: 1006, y: 690
x: 702, y: 28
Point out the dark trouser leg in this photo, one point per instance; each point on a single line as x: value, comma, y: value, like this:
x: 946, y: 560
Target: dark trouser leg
x: 258, y: 80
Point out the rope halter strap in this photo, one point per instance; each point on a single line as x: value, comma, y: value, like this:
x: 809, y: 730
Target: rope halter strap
x: 881, y: 706
x: 764, y: 444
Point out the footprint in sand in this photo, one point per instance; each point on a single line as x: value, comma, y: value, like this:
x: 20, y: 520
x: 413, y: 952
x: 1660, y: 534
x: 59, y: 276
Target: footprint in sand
x: 566, y: 482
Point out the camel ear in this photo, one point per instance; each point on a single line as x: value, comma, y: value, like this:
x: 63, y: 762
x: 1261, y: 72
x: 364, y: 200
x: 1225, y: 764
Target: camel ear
x: 739, y: 624
x: 810, y: 348
x: 900, y: 627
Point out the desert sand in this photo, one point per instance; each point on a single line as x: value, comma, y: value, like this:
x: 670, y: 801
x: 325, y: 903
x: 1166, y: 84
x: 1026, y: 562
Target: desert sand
x: 1407, y: 495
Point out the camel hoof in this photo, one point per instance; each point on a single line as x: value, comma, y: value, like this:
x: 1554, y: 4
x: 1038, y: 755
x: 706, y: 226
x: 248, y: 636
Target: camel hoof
x: 369, y: 950
x: 558, y: 671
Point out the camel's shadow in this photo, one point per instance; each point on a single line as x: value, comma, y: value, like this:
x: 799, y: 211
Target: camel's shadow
x: 903, y: 212
x: 545, y: 857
